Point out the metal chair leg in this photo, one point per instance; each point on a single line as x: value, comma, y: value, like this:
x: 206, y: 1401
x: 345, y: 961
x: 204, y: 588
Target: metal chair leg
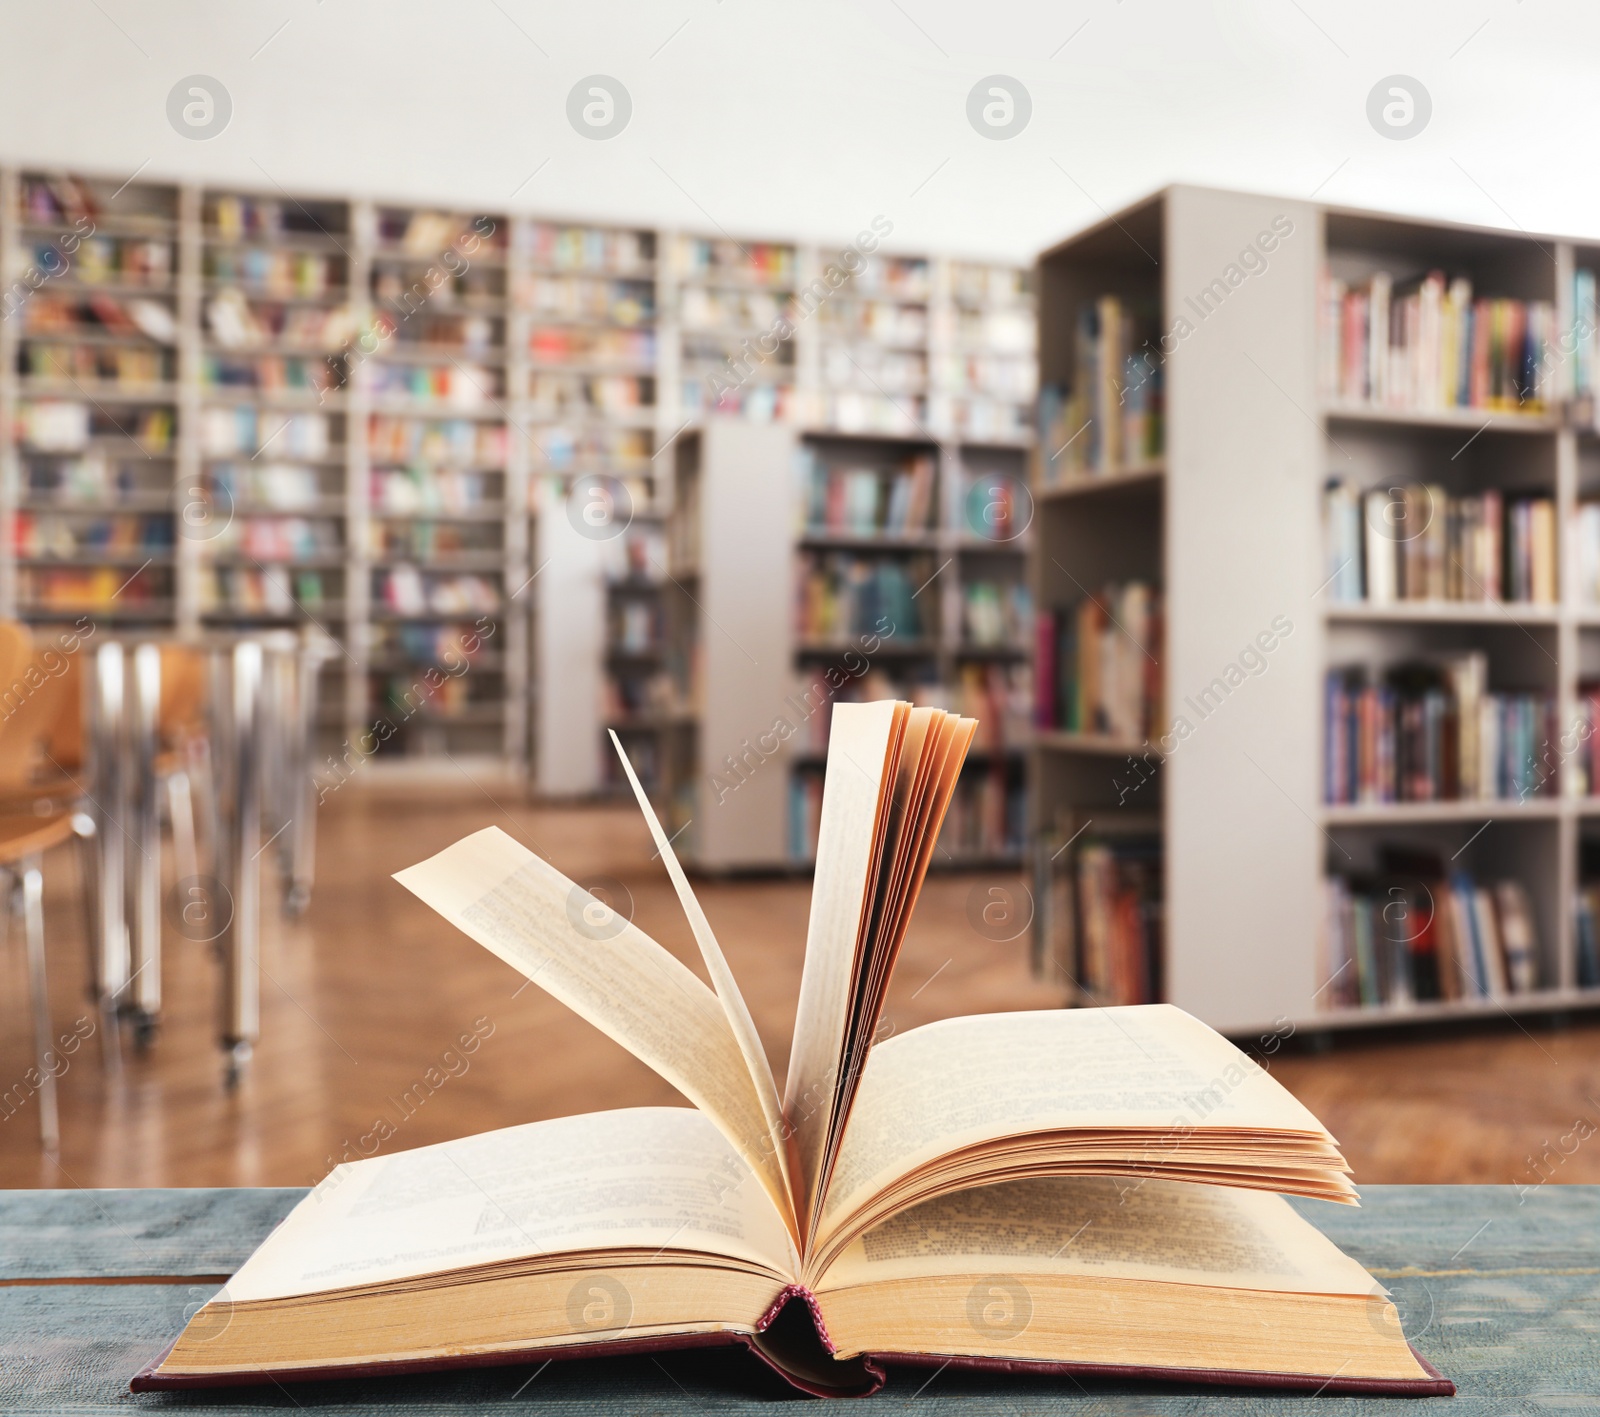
x: 180, y: 807
x: 32, y: 887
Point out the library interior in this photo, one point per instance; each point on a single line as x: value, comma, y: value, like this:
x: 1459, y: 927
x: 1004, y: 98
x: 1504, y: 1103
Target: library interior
x: 406, y: 432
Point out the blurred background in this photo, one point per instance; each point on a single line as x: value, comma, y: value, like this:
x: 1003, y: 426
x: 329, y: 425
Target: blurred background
x: 395, y: 402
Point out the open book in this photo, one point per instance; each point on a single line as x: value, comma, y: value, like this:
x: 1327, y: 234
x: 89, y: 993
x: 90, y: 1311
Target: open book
x: 1087, y: 1189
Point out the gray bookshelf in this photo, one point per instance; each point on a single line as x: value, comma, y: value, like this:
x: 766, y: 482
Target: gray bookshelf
x: 1228, y: 524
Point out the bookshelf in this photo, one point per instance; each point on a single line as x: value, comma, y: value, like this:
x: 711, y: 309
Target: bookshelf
x: 387, y: 419
x: 1246, y: 780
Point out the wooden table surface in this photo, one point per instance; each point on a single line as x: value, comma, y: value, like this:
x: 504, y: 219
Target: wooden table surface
x: 1499, y: 1288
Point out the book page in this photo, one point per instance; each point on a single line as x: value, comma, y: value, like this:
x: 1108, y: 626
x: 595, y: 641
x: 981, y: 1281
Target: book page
x: 642, y: 1178
x: 861, y: 746
x: 608, y: 971
x: 722, y: 980
x: 1167, y: 1231
x: 964, y: 1081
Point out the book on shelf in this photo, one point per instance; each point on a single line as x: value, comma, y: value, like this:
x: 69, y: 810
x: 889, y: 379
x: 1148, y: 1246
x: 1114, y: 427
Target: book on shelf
x: 1419, y: 543
x: 1113, y: 414
x: 1588, y: 941
x: 273, y: 591
x: 125, y: 367
x: 277, y: 274
x: 408, y: 590
x: 1100, y: 914
x: 988, y: 815
x: 860, y: 1218
x: 868, y: 501
x: 1098, y: 664
x: 1425, y: 731
x: 995, y: 506
x: 100, y: 314
x: 42, y: 536
x: 1429, y: 344
x: 97, y: 588
x: 1422, y: 929
x: 996, y: 614
x: 839, y: 595
x: 463, y: 441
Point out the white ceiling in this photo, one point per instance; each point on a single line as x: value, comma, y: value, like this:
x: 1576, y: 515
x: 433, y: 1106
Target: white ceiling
x: 809, y: 120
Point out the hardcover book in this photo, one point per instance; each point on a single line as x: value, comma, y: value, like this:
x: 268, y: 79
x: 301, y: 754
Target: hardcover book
x: 1087, y: 1190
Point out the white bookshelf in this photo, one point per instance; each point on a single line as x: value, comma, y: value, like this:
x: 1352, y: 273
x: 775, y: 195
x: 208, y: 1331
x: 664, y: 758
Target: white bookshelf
x: 1229, y: 527
x: 364, y: 479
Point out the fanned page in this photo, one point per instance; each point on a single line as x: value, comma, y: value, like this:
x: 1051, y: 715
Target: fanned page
x: 609, y: 972
x: 863, y: 746
x: 876, y: 840
x: 642, y: 1178
x: 944, y: 1089
x: 722, y: 980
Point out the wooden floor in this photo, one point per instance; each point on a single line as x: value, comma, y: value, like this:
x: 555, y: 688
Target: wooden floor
x: 370, y: 990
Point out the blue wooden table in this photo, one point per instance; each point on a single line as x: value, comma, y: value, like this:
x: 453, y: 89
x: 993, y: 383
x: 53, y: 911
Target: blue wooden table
x: 1498, y: 1288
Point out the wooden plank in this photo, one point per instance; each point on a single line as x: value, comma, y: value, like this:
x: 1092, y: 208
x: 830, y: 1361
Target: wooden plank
x: 86, y: 1234
x: 1499, y: 1287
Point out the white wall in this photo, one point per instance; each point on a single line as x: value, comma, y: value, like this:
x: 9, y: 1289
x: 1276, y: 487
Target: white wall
x: 807, y: 120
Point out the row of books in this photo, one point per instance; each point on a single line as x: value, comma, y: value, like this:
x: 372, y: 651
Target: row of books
x: 723, y: 309
x: 1432, y: 732
x: 1099, y: 914
x: 95, y: 479
x: 267, y: 374
x: 440, y: 329
x: 1399, y: 938
x: 276, y: 538
x: 227, y: 432
x: 1004, y: 376
x: 556, y: 394
x: 405, y: 696
x: 758, y: 402
x: 871, y: 366
x: 126, y: 367
x: 707, y: 258
x: 402, y: 289
x: 67, y: 426
x: 868, y: 501
x: 111, y: 260
x: 1427, y: 343
x: 235, y: 322
x: 46, y: 536
x: 562, y: 447
x: 1111, y: 416
x: 236, y: 218
x: 995, y: 506
x: 447, y: 646
x: 463, y: 441
x: 1097, y: 666
x: 254, y: 590
x: 1588, y: 922
x: 409, y: 490
x: 975, y: 284
x: 57, y: 197
x: 619, y: 302
x: 885, y: 322
x: 95, y: 588
x: 839, y: 597
x: 1419, y: 543
x: 407, y: 590
x: 427, y: 541
x: 98, y: 313
x: 978, y: 418
x: 591, y: 248
x: 421, y: 234
x: 856, y: 411
x: 279, y: 275
x: 281, y: 486
x: 898, y: 277
x: 1000, y: 697
x: 987, y: 817
x: 459, y: 385
x: 997, y: 614
x: 559, y: 344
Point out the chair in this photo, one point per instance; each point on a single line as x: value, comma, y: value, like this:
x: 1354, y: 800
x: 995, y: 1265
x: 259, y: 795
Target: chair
x: 32, y: 822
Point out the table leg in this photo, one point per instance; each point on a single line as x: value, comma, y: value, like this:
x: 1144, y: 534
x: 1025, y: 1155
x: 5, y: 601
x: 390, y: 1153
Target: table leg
x: 146, y: 979
x: 242, y: 958
x: 108, y: 780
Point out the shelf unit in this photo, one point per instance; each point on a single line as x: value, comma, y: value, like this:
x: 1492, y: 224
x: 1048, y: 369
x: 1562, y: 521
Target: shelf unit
x: 1230, y: 528
x: 361, y: 422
